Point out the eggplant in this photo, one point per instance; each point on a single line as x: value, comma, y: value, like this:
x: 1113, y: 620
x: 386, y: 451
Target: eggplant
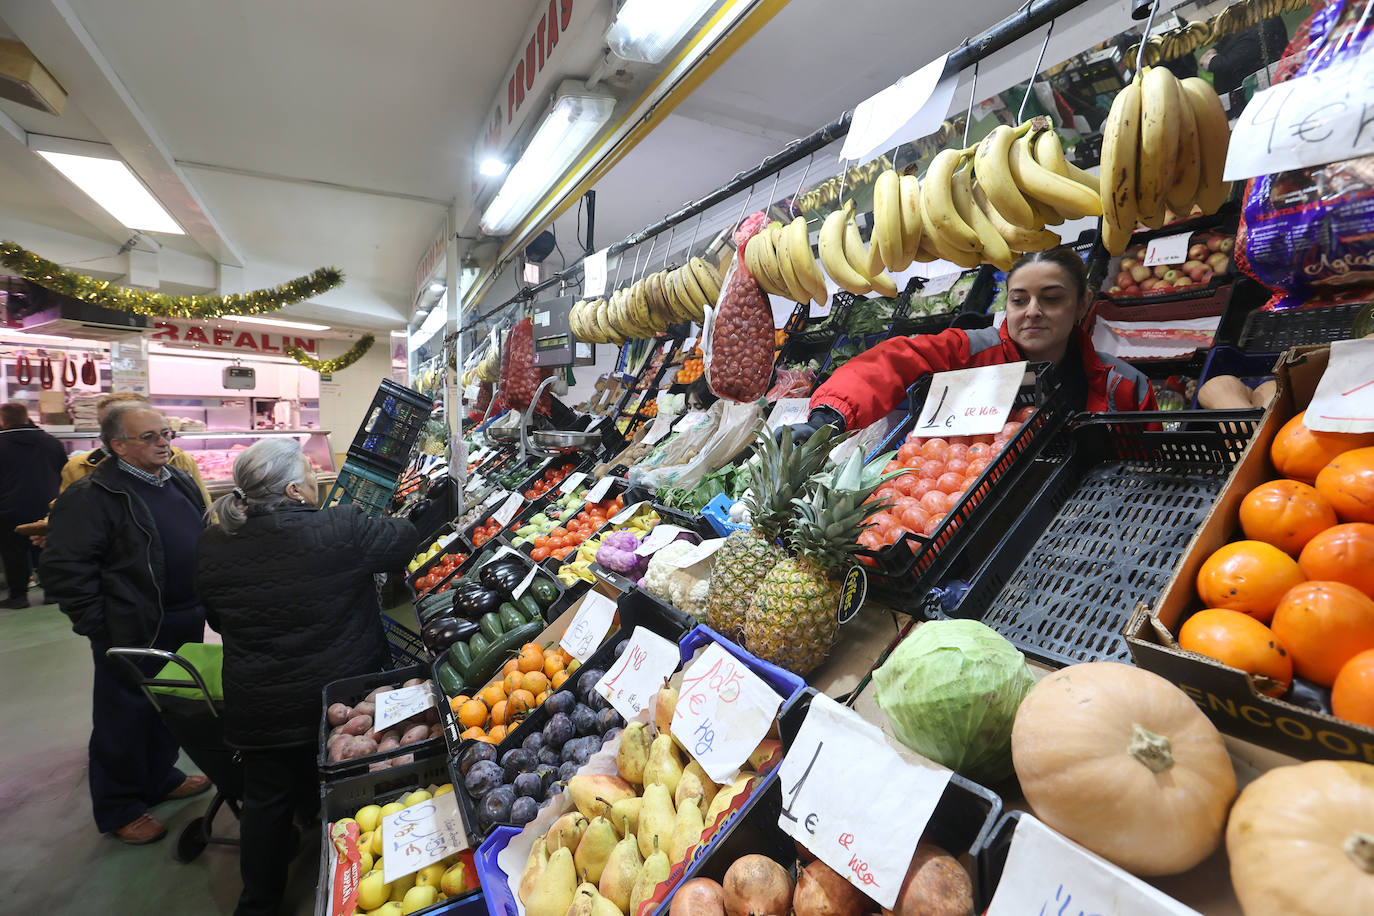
x: 473, y: 603
x: 442, y: 632
x: 503, y: 576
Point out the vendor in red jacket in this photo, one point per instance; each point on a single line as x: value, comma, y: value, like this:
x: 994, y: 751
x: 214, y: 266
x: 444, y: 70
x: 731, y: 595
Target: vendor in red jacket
x: 1047, y: 297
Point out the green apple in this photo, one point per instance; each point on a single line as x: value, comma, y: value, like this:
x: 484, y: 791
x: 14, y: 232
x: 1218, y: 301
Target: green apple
x: 453, y: 881
x: 429, y: 875
x: 368, y: 818
x: 401, y: 885
x: 419, y: 897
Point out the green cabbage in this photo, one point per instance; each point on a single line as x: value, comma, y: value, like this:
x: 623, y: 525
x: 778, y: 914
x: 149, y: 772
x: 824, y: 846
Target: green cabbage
x: 951, y: 691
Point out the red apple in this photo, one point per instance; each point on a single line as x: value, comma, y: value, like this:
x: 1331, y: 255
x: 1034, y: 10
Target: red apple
x: 1139, y: 273
x: 1149, y: 284
x: 1213, y: 242
x: 1226, y: 244
x: 1197, y: 252
x: 1219, y: 263
x: 1128, y: 263
x: 1131, y: 290
x: 1181, y: 282
x: 1161, y: 270
x: 1193, y: 268
x: 1124, y: 278
x: 1205, y: 277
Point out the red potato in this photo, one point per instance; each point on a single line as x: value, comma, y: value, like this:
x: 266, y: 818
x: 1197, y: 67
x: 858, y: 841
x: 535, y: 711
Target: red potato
x: 389, y: 742
x: 935, y: 885
x: 414, y: 733
x: 436, y: 731
x: 415, y: 682
x: 357, y: 725
x: 430, y: 716
x: 403, y: 760
x: 362, y: 746
x: 365, y: 708
x: 338, y: 713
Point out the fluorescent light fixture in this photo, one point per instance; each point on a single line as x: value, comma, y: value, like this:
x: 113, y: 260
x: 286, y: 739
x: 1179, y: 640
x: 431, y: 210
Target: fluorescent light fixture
x: 436, y: 288
x: 646, y: 30
x: 491, y: 167
x: 110, y: 183
x: 576, y: 118
x: 431, y: 325
x: 278, y: 322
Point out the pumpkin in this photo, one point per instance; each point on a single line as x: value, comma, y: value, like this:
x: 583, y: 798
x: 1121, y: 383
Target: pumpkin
x: 1285, y: 513
x: 1348, y: 484
x: 1299, y: 452
x: 1240, y: 641
x: 1120, y: 761
x: 1247, y: 576
x: 1324, y: 625
x: 1344, y: 553
x: 1301, y: 841
x: 1224, y: 392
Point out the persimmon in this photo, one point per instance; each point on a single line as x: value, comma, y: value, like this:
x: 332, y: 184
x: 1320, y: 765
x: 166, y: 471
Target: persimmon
x: 1247, y: 576
x: 1240, y: 641
x: 1285, y: 513
x: 1324, y: 625
x: 1342, y: 553
x: 1348, y: 484
x: 1352, y: 695
x: 1300, y: 453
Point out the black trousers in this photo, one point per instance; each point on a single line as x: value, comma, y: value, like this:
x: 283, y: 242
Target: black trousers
x: 15, y: 556
x: 276, y: 784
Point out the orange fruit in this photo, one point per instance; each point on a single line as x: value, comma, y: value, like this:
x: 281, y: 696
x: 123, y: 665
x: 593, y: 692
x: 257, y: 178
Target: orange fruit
x: 539, y: 700
x: 1343, y: 553
x: 565, y: 655
x: 457, y: 702
x: 510, y: 667
x: 559, y: 679
x: 1239, y: 641
x: 473, y: 734
x: 473, y: 714
x: 520, y: 702
x: 531, y: 658
x: 492, y: 694
x: 1300, y: 453
x: 1352, y: 695
x: 525, y: 696
x: 536, y: 682
x: 512, y: 682
x: 1247, y: 576
x: 1324, y: 625
x: 500, y: 713
x: 1348, y: 484
x: 553, y: 663
x: 497, y: 734
x: 1285, y: 513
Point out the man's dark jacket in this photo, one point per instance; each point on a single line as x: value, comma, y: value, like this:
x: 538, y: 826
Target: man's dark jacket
x: 30, y: 472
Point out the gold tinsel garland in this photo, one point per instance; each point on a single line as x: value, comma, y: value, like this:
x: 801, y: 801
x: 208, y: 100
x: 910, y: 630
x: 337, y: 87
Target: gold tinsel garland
x: 326, y: 366
x: 141, y: 302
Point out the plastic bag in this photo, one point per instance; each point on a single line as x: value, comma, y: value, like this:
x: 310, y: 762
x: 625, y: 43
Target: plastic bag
x: 738, y: 423
x: 791, y: 383
x: 737, y: 336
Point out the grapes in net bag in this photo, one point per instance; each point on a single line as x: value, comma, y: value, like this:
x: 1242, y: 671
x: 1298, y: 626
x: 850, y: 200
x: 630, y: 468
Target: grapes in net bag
x: 738, y: 338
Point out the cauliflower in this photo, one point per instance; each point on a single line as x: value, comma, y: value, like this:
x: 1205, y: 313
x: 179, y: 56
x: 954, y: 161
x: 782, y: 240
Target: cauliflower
x: 686, y: 589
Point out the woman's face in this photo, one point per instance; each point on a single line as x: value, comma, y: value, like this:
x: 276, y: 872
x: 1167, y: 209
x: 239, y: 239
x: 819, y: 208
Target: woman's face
x: 1043, y: 306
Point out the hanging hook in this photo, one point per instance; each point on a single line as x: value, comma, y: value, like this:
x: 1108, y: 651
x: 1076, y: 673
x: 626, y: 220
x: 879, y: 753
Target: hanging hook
x: 801, y: 184
x: 972, y: 97
x: 634, y: 273
x: 668, y: 248
x: 1145, y: 37
x: 693, y: 243
x: 648, y: 259
x: 1030, y: 86
x: 619, y: 260
x: 742, y: 210
x: 773, y: 191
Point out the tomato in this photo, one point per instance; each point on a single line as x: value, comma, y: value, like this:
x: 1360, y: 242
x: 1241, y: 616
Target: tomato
x: 539, y: 553
x: 957, y: 450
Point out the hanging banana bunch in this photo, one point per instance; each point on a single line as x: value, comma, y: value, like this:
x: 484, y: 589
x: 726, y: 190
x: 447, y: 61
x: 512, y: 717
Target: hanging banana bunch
x: 646, y: 307
x: 782, y: 263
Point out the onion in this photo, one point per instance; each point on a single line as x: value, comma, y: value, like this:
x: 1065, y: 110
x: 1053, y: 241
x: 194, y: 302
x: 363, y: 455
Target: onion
x: 757, y: 886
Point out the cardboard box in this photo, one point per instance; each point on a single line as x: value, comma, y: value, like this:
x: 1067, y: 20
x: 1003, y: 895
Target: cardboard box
x: 1227, y: 695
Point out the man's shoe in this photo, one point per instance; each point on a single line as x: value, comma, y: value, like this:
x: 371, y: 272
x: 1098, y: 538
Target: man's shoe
x: 146, y: 829
x: 16, y: 603
x: 191, y: 785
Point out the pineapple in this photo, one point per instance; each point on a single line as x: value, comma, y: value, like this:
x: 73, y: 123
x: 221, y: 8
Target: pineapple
x: 747, y: 556
x: 792, y: 619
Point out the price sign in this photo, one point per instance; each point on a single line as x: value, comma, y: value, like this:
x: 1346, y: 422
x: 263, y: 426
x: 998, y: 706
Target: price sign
x: 789, y: 411
x: 1344, y: 399
x: 723, y: 711
x: 421, y: 835
x: 599, y: 491
x: 398, y: 705
x: 660, y: 537
x: 662, y: 425
x: 495, y: 498
x: 572, y: 482
x: 594, y: 274
x: 471, y: 392
x: 970, y: 402
x: 525, y: 583
x: 1047, y: 873
x: 911, y: 108
x: 634, y: 679
x: 475, y: 483
x: 508, y: 509
x: 699, y: 553
x: 832, y: 803
x: 589, y: 626
x: 1171, y: 249
x: 624, y: 515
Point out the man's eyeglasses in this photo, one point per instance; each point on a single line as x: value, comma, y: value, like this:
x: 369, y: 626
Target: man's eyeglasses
x: 152, y: 438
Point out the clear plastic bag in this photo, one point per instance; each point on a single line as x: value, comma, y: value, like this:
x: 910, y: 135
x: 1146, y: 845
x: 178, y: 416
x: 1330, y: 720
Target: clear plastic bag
x: 737, y: 336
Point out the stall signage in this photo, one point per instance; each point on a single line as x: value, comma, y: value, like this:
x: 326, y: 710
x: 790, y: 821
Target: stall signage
x: 1344, y: 399
x: 1048, y: 873
x: 599, y: 491
x: 970, y: 402
x: 660, y: 537
x: 632, y: 682
x: 829, y: 808
x: 508, y: 509
x: 398, y: 705
x: 208, y: 335
x: 421, y: 835
x: 909, y: 109
x: 594, y: 274
x: 1169, y: 249
x: 589, y: 626
x: 572, y: 482
x: 723, y: 711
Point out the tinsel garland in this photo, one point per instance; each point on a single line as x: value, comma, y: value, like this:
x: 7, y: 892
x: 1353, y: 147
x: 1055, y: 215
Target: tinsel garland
x: 142, y: 302
x: 326, y: 366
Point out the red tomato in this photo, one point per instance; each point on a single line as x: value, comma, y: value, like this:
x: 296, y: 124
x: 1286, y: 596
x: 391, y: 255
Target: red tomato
x: 539, y: 553
x: 956, y: 450
x: 950, y: 483
x: 935, y: 501
x: 933, y: 524
x: 1024, y: 414
x: 956, y: 466
x: 914, y: 518
x: 934, y: 448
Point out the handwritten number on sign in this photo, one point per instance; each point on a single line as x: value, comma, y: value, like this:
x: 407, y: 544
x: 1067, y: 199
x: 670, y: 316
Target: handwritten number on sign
x: 1065, y: 900
x: 634, y: 663
x: 723, y: 678
x: 810, y: 823
x: 931, y: 422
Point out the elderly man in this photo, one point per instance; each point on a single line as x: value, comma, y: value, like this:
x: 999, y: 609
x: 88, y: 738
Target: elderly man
x: 81, y: 464
x: 120, y: 562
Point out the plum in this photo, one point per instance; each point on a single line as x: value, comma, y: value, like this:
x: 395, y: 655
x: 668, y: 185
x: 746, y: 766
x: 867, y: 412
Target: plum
x: 523, y: 810
x: 547, y: 755
x: 584, y: 720
x: 597, y: 702
x: 586, y: 683
x: 516, y: 761
x: 567, y: 771
x: 608, y: 719
x: 620, y: 647
x: 533, y: 743
x: 495, y: 806
x: 559, y: 730
x: 476, y: 753
x: 482, y: 778
x: 563, y: 701
x: 547, y: 773
x: 529, y: 784
x: 584, y: 750
x: 611, y: 734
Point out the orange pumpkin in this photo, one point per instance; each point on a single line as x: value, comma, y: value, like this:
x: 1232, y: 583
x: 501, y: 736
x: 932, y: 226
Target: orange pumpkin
x: 1352, y: 696
x: 1324, y: 625
x: 1285, y: 513
x: 1247, y: 576
x: 1300, y: 453
x: 1343, y: 553
x: 1239, y: 641
x: 1348, y: 484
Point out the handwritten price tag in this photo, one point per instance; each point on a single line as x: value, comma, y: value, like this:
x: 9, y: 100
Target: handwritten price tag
x: 970, y: 402
x: 525, y: 583
x: 495, y: 498
x: 634, y: 679
x: 397, y: 705
x: 723, y: 711
x: 589, y: 626
x: 421, y: 835
x: 598, y: 492
x: 1344, y: 399
x: 508, y: 509
x: 698, y: 553
x: 594, y: 274
x: 1171, y: 249
x: 475, y: 483
x: 1047, y: 873
x: 572, y: 482
x: 789, y: 411
x: 660, y: 537
x: 624, y: 515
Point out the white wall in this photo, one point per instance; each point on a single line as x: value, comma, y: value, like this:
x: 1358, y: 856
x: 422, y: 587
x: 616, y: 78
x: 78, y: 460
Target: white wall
x: 346, y: 397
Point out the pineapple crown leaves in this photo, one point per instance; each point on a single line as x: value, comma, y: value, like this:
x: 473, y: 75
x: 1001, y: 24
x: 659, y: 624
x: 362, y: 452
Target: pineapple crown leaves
x: 783, y: 472
x: 832, y: 515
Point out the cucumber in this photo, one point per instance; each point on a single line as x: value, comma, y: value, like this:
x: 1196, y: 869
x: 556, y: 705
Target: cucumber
x: 512, y: 616
x: 485, y: 664
x: 492, y: 626
x: 544, y: 591
x: 530, y: 607
x: 478, y: 645
x: 459, y: 658
x: 449, y: 681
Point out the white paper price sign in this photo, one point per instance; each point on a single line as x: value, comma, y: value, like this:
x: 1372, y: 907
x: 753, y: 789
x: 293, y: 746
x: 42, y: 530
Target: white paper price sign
x: 589, y: 626
x: 789, y: 411
x: 970, y: 402
x: 698, y: 553
x: 624, y: 515
x: 572, y: 482
x: 662, y: 425
x: 1047, y: 873
x: 910, y: 108
x: 594, y: 274
x: 525, y: 583
x: 1171, y: 249
x: 398, y: 705
x: 1344, y: 399
x: 660, y: 537
x: 495, y: 498
x: 475, y: 483
x: 598, y: 492
x: 723, y: 711
x: 470, y: 392
x: 508, y: 509
x: 829, y: 805
x: 421, y: 835
x: 634, y: 679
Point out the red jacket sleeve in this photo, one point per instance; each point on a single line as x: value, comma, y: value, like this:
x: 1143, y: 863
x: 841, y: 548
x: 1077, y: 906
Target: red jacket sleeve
x: 869, y: 386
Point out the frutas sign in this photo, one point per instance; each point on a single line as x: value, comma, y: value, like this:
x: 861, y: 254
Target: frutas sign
x: 237, y: 340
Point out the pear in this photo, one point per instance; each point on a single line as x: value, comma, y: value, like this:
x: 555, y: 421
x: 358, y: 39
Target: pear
x: 534, y: 867
x: 725, y: 796
x: 664, y: 765
x: 656, y: 816
x: 656, y: 869
x: 592, y: 792
x: 603, y: 907
x: 624, y: 816
x: 621, y: 871
x: 665, y: 702
x: 583, y: 897
x: 566, y: 832
x: 695, y: 784
x: 594, y: 849
x: 633, y: 752
x: 687, y: 827
x: 553, y: 892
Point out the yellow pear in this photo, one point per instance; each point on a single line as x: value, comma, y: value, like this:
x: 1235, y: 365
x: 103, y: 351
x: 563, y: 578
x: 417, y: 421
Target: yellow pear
x: 686, y: 830
x: 534, y: 867
x: 624, y: 816
x: 656, y: 817
x: 368, y: 818
x: 664, y: 765
x: 592, y: 793
x: 566, y: 832
x: 633, y: 752
x: 621, y: 872
x: 401, y: 885
x: 583, y: 898
x: 414, y: 798
x: 373, y: 891
x: 553, y: 892
x: 695, y: 784
x: 594, y: 849
x: 429, y: 875
x: 656, y: 869
x: 603, y: 907
x: 419, y: 897
x: 454, y: 881
x: 665, y: 702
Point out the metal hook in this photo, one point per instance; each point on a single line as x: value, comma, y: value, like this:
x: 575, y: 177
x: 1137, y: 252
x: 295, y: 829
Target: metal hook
x: 1020, y: 112
x: 972, y: 97
x: 619, y: 260
x: 635, y: 272
x: 648, y: 259
x: 668, y: 248
x: 742, y: 210
x: 801, y: 184
x: 1145, y: 36
x: 693, y: 243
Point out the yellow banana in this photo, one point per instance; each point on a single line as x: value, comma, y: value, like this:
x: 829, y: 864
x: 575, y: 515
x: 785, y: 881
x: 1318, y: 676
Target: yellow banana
x: 696, y: 296
x: 855, y: 253
x: 688, y: 307
x: 1188, y: 167
x: 1049, y: 151
x: 992, y: 163
x: 831, y: 245
x: 1120, y: 143
x: 1016, y: 237
x: 770, y: 257
x: 1068, y: 197
x: 995, y: 248
x: 1214, y: 136
x: 803, y: 262
x: 1159, y: 104
x: 887, y: 220
x: 795, y: 290
x: 938, y: 214
x: 706, y: 278
x: 910, y: 190
x: 753, y: 258
x: 933, y: 245
x: 1115, y: 239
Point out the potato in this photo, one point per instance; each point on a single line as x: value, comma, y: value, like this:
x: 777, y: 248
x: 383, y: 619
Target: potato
x: 364, y: 746
x: 341, y: 749
x: 415, y: 682
x: 403, y: 760
x: 415, y: 733
x: 389, y: 742
x: 357, y: 725
x: 338, y: 713
x: 436, y: 731
x: 430, y: 716
x: 365, y: 708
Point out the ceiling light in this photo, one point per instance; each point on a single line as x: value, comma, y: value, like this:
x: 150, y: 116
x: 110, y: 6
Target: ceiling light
x: 646, y: 30
x: 436, y: 288
x: 110, y: 183
x: 278, y: 322
x: 576, y: 118
x: 492, y: 167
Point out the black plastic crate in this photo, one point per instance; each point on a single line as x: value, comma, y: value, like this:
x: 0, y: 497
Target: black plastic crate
x: 352, y: 690
x: 392, y: 425
x: 1119, y: 505
x: 404, y: 645
x: 363, y: 483
x: 810, y: 338
x: 1273, y: 332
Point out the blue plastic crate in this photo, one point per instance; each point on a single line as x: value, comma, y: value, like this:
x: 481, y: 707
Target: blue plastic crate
x: 1250, y: 368
x: 717, y: 513
x: 406, y: 647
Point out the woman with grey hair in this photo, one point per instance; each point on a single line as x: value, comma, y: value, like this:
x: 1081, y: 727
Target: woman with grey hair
x: 290, y: 589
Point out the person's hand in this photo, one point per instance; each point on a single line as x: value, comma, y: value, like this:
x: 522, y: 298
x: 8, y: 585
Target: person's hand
x: 821, y: 416
x: 1206, y: 60
x: 38, y: 540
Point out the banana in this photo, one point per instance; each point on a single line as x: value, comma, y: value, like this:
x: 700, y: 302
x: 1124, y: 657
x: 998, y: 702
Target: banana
x: 642, y: 315
x: 1214, y: 136
x: 753, y: 258
x: 933, y: 246
x: 696, y: 296
x: 1120, y: 142
x: 995, y: 249
x: 1049, y: 151
x: 795, y: 290
x: 887, y: 220
x: 658, y: 300
x: 992, y: 163
x: 574, y: 326
x: 1114, y: 238
x: 603, y: 320
x: 833, y: 258
x: 855, y: 254
x: 803, y: 262
x: 909, y: 188
x: 683, y: 309
x: 1069, y: 198
x: 938, y: 214
x: 768, y: 260
x: 1016, y: 237
x: 706, y: 278
x: 1159, y: 123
